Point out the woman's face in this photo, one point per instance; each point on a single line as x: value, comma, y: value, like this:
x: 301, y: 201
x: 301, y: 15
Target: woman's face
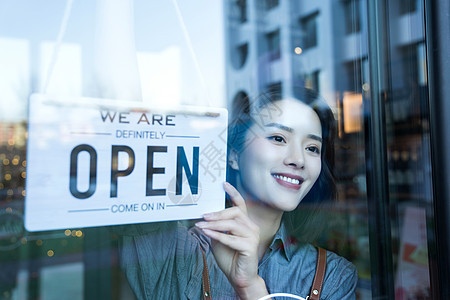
x: 281, y: 159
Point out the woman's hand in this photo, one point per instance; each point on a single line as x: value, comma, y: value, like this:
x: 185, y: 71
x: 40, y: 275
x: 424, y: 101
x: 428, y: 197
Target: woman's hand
x: 235, y: 240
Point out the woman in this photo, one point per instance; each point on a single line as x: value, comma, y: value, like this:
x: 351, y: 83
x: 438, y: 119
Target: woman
x: 279, y: 156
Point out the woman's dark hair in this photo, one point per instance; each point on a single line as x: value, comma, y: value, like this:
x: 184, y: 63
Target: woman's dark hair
x: 305, y: 221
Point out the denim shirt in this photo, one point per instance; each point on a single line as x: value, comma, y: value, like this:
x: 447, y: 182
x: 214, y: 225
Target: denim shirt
x: 164, y: 261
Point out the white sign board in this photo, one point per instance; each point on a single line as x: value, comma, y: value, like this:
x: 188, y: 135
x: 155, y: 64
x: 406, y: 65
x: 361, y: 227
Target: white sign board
x: 97, y: 162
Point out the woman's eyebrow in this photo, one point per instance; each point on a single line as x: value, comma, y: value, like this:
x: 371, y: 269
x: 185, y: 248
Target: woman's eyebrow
x: 289, y: 129
x: 280, y: 126
x: 315, y: 137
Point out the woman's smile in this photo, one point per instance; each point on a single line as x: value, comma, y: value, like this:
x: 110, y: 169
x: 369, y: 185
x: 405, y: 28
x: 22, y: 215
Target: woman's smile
x: 289, y: 181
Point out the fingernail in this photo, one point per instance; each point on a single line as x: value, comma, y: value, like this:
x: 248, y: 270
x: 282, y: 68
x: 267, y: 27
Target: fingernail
x: 200, y: 224
x: 208, y: 215
x: 226, y: 185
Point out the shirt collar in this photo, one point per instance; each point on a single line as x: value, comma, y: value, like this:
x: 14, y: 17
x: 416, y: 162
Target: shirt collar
x: 283, y: 241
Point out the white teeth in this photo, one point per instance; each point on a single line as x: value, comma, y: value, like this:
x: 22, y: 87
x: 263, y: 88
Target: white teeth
x: 287, y: 179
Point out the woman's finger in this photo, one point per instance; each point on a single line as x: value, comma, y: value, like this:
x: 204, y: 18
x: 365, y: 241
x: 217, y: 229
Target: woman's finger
x: 229, y: 213
x: 234, y: 242
x: 233, y: 213
x: 230, y: 227
x: 235, y: 196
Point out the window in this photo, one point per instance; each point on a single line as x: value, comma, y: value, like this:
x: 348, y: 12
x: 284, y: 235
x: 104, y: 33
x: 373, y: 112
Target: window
x: 240, y: 10
x: 309, y: 28
x: 352, y: 16
x: 312, y: 81
x: 414, y: 67
x: 242, y: 54
x: 354, y: 79
x: 410, y: 66
x: 273, y: 44
x: 269, y: 4
x: 407, y: 6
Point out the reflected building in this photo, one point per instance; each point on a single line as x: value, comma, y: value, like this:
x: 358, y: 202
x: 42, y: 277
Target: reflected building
x: 274, y: 45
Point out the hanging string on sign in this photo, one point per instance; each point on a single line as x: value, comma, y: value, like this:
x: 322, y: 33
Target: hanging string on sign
x: 61, y: 33
x: 191, y: 50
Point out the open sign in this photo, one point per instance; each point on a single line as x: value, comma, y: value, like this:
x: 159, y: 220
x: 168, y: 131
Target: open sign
x: 96, y: 162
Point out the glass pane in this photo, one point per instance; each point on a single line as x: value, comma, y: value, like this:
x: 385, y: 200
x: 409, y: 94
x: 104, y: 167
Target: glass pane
x: 318, y: 53
x: 309, y: 27
x: 297, y: 78
x: 408, y: 142
x: 154, y: 52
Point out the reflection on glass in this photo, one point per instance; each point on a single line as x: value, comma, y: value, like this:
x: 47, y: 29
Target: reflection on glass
x: 270, y: 45
x: 352, y: 16
x: 408, y: 157
x: 309, y: 26
x: 273, y: 44
x: 326, y: 67
x: 269, y: 4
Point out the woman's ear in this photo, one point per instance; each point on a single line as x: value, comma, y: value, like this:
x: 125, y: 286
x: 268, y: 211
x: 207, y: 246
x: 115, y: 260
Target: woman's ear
x: 233, y: 160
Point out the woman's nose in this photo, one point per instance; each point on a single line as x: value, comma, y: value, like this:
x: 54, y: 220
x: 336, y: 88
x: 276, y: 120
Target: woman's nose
x: 295, y: 157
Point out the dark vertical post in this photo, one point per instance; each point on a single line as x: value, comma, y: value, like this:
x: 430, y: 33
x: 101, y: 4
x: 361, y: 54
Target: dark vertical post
x: 437, y: 18
x: 382, y: 276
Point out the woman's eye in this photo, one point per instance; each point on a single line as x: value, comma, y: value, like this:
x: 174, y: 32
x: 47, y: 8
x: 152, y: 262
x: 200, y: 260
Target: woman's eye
x: 277, y: 138
x: 313, y: 149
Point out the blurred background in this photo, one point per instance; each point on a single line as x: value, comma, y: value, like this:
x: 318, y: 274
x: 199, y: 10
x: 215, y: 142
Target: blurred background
x: 379, y: 64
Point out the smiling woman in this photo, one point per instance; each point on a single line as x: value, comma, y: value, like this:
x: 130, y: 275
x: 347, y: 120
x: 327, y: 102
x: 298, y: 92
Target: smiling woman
x: 280, y: 155
x: 281, y: 160
x: 307, y: 111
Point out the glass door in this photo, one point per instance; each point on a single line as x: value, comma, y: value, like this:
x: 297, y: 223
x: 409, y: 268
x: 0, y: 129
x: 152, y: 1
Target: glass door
x: 381, y: 65
x: 401, y: 198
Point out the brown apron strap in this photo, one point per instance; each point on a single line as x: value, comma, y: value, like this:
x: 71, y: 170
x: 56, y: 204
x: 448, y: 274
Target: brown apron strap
x: 205, y: 279
x: 316, y: 288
